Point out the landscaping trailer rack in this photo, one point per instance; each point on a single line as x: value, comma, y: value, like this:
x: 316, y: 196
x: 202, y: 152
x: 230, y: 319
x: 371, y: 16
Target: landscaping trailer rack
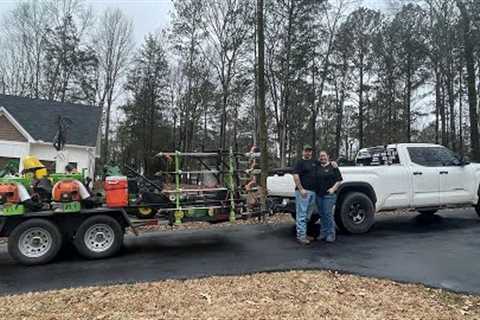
x: 37, y: 237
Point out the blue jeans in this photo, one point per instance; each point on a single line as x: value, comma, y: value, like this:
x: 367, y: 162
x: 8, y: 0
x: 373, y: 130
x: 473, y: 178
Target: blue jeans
x: 304, y: 208
x: 325, y: 206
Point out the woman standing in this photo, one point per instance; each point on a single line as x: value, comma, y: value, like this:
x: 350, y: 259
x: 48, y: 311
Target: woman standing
x: 329, y: 180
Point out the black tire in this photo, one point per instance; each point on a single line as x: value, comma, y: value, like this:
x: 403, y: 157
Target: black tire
x: 428, y: 212
x: 105, y: 243
x: 355, y: 213
x: 145, y: 213
x: 34, y: 242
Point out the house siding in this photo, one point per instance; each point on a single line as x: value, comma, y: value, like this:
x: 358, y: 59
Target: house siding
x: 8, y: 131
x: 80, y: 155
x: 14, y: 149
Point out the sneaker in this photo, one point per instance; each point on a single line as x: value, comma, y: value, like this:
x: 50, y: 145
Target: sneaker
x: 303, y: 242
x: 311, y: 238
x: 330, y: 238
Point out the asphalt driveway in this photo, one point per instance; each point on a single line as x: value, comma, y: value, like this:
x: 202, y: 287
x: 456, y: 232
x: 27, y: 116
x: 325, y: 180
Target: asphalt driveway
x: 443, y: 253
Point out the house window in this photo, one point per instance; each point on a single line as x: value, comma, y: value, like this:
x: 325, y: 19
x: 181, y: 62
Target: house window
x: 14, y: 162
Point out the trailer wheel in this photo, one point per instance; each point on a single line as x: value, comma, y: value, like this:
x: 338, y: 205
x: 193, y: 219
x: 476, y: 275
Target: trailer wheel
x: 355, y: 213
x: 99, y: 237
x: 35, y: 241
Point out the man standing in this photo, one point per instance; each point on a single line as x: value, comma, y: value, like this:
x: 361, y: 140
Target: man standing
x: 305, y: 177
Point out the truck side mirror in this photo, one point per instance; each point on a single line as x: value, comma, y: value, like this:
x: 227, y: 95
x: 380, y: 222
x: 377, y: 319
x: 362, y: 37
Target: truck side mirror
x: 463, y: 160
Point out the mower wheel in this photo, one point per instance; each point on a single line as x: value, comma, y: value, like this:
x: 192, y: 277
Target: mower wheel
x: 145, y: 213
x: 99, y: 237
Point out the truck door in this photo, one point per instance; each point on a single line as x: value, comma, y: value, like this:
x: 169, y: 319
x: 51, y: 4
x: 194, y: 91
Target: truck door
x: 425, y: 177
x: 454, y: 179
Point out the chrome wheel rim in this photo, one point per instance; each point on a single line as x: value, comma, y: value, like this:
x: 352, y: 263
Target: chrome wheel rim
x: 99, y: 238
x: 357, y: 213
x: 35, y: 242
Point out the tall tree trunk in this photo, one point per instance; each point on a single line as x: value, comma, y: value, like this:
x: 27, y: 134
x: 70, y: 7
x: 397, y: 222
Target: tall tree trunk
x: 339, y: 120
x: 204, y: 128
x: 107, y: 125
x: 472, y: 90
x: 223, y: 121
x: 286, y: 93
x: 313, y: 122
x: 460, y: 115
x: 443, y: 115
x: 408, y: 111
x: 261, y: 104
x: 361, y: 137
x: 189, y: 107
x: 235, y: 130
x: 107, y: 135
x: 174, y: 144
x: 255, y: 102
x: 451, y: 103
x: 437, y: 104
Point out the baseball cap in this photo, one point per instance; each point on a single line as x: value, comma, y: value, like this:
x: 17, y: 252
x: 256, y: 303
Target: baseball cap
x: 307, y: 147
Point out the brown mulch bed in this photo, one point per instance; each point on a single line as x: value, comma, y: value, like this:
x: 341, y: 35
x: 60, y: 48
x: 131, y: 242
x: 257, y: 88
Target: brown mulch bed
x: 291, y: 295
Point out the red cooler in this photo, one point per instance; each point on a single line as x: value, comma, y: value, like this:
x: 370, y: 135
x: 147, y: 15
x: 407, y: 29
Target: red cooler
x: 116, y: 191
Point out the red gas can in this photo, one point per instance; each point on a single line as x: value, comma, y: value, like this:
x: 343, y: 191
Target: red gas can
x: 116, y: 192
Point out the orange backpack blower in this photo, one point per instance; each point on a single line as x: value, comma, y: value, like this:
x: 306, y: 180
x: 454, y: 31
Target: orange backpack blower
x: 9, y: 193
x: 66, y: 191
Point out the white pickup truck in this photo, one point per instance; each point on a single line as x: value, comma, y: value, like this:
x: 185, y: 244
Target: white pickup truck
x: 422, y: 177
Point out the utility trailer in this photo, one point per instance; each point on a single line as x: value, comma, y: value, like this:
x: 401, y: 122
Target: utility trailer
x: 37, y: 237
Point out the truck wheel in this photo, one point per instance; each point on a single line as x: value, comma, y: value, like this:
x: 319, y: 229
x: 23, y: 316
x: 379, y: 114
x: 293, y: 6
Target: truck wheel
x: 428, y: 212
x: 99, y: 237
x: 34, y: 242
x: 356, y: 213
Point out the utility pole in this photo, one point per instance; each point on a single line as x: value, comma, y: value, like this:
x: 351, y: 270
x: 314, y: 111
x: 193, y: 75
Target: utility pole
x: 263, y: 134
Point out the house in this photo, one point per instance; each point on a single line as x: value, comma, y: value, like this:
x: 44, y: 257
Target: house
x: 29, y: 126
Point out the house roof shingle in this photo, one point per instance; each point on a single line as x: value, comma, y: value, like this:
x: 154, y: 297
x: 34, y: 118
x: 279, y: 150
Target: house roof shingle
x: 39, y: 118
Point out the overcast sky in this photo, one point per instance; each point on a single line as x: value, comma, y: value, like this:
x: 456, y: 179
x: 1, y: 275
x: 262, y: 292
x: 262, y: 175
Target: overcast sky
x: 148, y: 15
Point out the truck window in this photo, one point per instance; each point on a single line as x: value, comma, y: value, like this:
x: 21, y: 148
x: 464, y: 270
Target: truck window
x: 377, y: 156
x: 432, y: 156
x: 447, y: 157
